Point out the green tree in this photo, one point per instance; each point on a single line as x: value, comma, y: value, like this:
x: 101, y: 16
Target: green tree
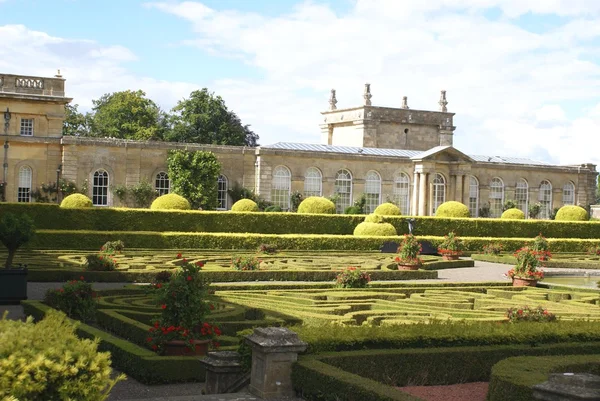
x: 194, y: 176
x: 128, y: 115
x: 76, y: 123
x: 204, y: 118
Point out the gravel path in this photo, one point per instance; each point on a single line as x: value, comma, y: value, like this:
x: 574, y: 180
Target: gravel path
x: 456, y: 392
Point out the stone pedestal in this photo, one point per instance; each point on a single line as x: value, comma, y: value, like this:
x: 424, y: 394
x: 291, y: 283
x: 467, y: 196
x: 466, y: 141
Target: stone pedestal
x: 274, y: 350
x: 568, y: 387
x: 223, y: 369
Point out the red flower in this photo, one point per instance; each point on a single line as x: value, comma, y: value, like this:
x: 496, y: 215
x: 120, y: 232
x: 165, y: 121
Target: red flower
x: 156, y: 324
x: 189, y: 278
x: 154, y: 347
x: 211, y: 306
x: 159, y: 285
x: 200, y: 263
x: 149, y: 339
x: 178, y: 256
x: 61, y: 290
x: 81, y: 278
x: 163, y: 306
x: 184, y: 260
x: 216, y: 344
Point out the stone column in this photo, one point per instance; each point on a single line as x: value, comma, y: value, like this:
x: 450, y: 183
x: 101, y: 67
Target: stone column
x: 431, y: 200
x: 568, y: 387
x: 414, y: 208
x: 223, y: 369
x: 274, y: 350
x: 459, y: 188
x: 423, y: 194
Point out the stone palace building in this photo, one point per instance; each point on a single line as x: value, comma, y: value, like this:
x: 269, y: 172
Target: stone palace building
x: 389, y: 154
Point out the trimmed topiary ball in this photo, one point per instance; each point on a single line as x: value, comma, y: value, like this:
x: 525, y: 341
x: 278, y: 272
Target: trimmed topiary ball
x: 452, y: 209
x: 76, y: 201
x: 387, y: 209
x: 317, y: 205
x: 170, y: 202
x: 375, y: 229
x: 374, y: 218
x: 513, y: 213
x: 245, y: 205
x: 572, y: 213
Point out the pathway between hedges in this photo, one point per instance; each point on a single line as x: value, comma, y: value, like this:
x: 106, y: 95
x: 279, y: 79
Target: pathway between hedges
x: 131, y: 390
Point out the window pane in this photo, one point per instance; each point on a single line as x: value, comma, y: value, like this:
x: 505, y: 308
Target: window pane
x: 222, y: 193
x: 522, y: 196
x: 372, y: 191
x: 313, y: 182
x: 473, y: 196
x: 24, y: 188
x: 545, y: 198
x: 100, y: 188
x: 343, y: 188
x: 402, y: 193
x: 27, y: 126
x: 280, y: 189
x: 569, y: 194
x: 439, y: 191
x: 162, y: 183
x: 496, y: 197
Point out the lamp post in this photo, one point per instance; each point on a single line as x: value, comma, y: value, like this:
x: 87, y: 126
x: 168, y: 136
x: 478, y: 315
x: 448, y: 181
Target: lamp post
x: 5, y: 165
x: 58, y: 170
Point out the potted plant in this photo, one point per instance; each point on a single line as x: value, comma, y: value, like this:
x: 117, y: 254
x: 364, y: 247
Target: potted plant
x: 352, y: 277
x: 451, y: 247
x: 409, y: 251
x: 542, y: 247
x: 526, y: 273
x: 182, y: 328
x: 15, y: 231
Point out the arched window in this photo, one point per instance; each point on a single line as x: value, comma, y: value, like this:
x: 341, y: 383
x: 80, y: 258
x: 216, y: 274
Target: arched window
x: 280, y: 188
x: 343, y: 189
x: 372, y: 191
x: 439, y: 191
x: 24, y: 189
x: 545, y: 198
x: 222, y: 193
x: 402, y: 193
x: 522, y: 196
x: 313, y: 182
x: 496, y: 197
x: 100, y: 188
x: 568, y: 197
x: 162, y: 183
x: 473, y: 196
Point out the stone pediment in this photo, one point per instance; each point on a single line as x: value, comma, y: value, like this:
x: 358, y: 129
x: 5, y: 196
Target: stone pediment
x: 447, y: 154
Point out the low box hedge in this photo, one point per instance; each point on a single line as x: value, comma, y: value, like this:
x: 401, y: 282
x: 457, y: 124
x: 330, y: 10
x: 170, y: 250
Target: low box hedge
x: 50, y: 216
x: 560, y: 262
x: 92, y: 240
x: 512, y: 379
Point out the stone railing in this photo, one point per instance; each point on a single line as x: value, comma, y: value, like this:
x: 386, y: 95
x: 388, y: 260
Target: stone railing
x: 29, y: 85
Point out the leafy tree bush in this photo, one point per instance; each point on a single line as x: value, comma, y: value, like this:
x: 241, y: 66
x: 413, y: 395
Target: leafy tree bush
x: 509, y: 204
x: 100, y: 262
x: 245, y: 205
x: 514, y: 213
x: 387, y: 209
x: 375, y: 229
x: 194, y: 175
x: 76, y: 201
x: 353, y: 210
x: 75, y: 298
x: 273, y: 208
x: 139, y: 195
x: 452, y: 209
x: 534, y: 210
x: 317, y: 205
x: 170, y: 202
x: 572, y: 213
x: 295, y: 200
x: 34, y: 363
x: 352, y: 277
x: 15, y: 231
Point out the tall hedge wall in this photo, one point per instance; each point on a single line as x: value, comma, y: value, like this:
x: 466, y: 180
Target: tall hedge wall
x: 47, y: 216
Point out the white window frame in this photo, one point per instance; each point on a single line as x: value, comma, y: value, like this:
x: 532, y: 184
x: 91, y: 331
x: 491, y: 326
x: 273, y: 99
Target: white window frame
x: 496, y: 197
x: 313, y: 182
x: 545, y: 198
x: 281, y: 186
x: 473, y: 196
x: 160, y: 180
x: 27, y: 125
x: 401, y: 192
x: 439, y: 191
x: 522, y: 188
x: 100, y: 190
x: 343, y: 188
x: 222, y: 187
x: 25, y: 183
x: 372, y: 191
x: 568, y: 195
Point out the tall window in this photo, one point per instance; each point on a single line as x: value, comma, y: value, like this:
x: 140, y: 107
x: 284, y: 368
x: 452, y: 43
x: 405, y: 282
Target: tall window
x: 162, y: 183
x: 473, y: 196
x: 545, y: 198
x: 280, y: 189
x: 568, y: 197
x: 439, y: 191
x: 522, y: 196
x: 100, y: 188
x: 222, y: 193
x: 27, y: 126
x: 313, y: 182
x: 343, y: 189
x: 402, y: 193
x: 496, y: 197
x: 372, y: 191
x: 24, y: 189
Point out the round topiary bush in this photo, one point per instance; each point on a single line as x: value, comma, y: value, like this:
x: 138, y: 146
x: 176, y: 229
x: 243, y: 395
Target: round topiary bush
x: 316, y: 204
x: 76, y: 201
x: 452, y: 209
x: 170, y: 202
x: 245, y: 205
x: 375, y: 229
x: 387, y: 209
x: 572, y: 213
x: 513, y: 213
x: 374, y: 218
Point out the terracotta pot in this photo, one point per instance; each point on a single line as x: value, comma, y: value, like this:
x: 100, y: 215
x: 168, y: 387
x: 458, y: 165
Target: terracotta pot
x: 408, y: 267
x: 450, y: 257
x: 180, y: 348
x: 524, y: 282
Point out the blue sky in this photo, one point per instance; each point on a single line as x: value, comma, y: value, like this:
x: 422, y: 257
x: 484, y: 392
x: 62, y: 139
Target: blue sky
x: 523, y: 76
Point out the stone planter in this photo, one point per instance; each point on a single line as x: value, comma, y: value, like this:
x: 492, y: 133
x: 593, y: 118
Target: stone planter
x: 524, y: 282
x: 450, y: 257
x: 13, y: 286
x: 180, y: 348
x: 408, y: 267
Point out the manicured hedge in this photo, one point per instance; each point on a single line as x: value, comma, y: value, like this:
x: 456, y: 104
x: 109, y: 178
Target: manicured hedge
x: 558, y: 262
x: 47, y: 216
x: 92, y: 240
x: 513, y: 378
x: 139, y: 363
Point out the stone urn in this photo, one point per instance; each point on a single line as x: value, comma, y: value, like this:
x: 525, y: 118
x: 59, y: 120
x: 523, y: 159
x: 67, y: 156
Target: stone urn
x: 524, y: 282
x: 450, y: 257
x: 181, y: 348
x: 402, y: 266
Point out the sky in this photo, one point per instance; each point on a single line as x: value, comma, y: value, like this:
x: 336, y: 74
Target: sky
x: 522, y: 76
